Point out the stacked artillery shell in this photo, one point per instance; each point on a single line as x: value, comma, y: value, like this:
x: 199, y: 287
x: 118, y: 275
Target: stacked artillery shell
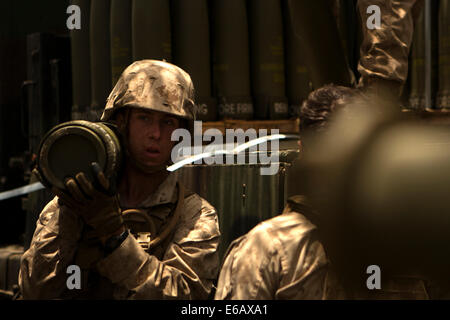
x: 81, y: 64
x: 100, y: 56
x: 121, y: 56
x: 231, y: 70
x: 417, y: 72
x: 433, y: 52
x: 346, y: 20
x: 151, y: 30
x: 297, y: 78
x: 313, y: 22
x: 191, y: 30
x: 267, y: 59
x: 443, y: 96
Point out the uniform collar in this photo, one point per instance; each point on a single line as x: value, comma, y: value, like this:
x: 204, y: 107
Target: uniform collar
x: 165, y: 193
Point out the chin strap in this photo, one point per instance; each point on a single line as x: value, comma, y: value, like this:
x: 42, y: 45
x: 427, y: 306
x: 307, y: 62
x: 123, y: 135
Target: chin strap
x: 151, y: 239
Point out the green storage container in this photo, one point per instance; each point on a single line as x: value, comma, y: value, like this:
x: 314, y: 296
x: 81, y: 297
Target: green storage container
x: 241, y: 195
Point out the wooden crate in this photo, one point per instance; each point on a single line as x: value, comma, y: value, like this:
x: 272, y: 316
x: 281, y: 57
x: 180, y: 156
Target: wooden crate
x: 285, y: 126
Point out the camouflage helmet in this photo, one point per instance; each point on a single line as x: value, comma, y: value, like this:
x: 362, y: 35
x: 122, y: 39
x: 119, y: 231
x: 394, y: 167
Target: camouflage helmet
x: 153, y: 85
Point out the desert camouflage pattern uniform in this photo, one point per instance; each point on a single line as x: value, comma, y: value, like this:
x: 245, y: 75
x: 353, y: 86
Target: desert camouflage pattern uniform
x: 184, y: 268
x: 384, y: 52
x: 280, y: 258
x: 283, y: 258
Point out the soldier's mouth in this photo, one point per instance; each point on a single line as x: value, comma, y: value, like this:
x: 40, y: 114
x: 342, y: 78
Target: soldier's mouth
x: 152, y: 151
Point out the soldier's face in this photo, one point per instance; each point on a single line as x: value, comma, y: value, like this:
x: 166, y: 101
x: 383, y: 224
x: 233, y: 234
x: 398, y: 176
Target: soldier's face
x: 149, y: 135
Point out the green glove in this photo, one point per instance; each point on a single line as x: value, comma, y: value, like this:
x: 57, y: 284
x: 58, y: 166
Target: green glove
x: 98, y: 206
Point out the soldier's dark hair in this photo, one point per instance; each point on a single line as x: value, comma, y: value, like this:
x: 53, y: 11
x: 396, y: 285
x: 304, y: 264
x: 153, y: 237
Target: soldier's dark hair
x: 320, y: 105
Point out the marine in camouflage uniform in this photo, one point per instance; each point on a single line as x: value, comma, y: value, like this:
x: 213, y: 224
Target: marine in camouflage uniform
x: 284, y: 257
x: 72, y: 230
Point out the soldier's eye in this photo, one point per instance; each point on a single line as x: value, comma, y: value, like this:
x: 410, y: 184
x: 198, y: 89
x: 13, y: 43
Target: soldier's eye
x: 169, y: 122
x: 143, y: 117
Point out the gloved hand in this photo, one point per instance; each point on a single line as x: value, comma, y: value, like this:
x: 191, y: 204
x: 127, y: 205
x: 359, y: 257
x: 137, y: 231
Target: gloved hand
x: 39, y: 177
x: 98, y: 206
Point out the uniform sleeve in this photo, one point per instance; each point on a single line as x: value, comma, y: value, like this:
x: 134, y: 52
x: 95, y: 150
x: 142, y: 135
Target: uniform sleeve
x: 43, y: 266
x: 189, y: 266
x: 384, y: 51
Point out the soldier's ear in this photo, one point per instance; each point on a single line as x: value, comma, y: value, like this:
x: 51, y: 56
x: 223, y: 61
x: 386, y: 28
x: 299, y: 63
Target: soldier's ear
x: 121, y: 120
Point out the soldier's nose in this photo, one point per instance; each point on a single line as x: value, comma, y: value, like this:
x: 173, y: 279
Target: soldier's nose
x: 154, y: 131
